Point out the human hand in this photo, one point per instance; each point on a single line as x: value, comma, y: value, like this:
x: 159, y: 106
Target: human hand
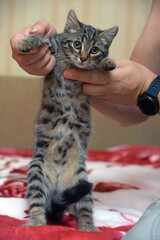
x: 121, y: 85
x: 38, y: 61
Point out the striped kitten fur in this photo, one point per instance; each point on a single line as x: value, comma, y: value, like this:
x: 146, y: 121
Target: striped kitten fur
x: 57, y: 174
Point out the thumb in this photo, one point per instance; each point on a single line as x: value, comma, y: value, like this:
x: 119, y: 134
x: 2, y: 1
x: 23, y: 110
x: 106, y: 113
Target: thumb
x: 43, y: 27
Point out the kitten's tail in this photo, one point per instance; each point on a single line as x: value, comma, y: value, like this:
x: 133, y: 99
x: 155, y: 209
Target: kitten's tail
x: 69, y: 196
x: 75, y: 193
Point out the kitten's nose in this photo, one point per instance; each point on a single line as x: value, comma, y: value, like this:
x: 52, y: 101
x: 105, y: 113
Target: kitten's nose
x: 83, y: 59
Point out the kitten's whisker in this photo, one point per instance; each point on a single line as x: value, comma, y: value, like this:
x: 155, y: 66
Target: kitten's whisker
x: 99, y: 73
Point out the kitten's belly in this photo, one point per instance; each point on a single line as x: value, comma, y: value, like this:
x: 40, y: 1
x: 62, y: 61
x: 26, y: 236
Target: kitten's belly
x: 61, y: 148
x: 63, y: 135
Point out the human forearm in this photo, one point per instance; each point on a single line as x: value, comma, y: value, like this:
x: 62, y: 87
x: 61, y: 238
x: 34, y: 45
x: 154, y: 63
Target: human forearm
x: 124, y: 115
x: 147, y: 48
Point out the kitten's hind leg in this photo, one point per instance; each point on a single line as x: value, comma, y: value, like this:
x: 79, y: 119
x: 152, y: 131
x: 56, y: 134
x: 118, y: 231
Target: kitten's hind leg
x: 84, y: 214
x: 107, y: 64
x: 32, y: 41
x: 36, y: 192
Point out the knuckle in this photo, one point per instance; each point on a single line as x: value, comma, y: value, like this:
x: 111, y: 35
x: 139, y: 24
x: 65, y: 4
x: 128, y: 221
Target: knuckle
x: 53, y: 61
x: 31, y: 71
x: 22, y: 61
x: 116, y: 91
x: 47, y: 55
x: 19, y: 59
x: 86, y: 89
x: 12, y: 40
x: 14, y: 56
x: 44, y: 50
x: 48, y: 68
x: 42, y: 53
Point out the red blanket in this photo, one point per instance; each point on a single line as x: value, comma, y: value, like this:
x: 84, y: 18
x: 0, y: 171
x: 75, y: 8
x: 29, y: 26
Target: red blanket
x: 126, y: 180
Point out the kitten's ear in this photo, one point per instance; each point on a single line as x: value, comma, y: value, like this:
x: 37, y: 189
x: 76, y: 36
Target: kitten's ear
x: 109, y: 34
x: 72, y: 25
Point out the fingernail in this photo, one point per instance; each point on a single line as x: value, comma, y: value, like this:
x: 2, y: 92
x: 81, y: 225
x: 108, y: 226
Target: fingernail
x: 46, y: 47
x: 67, y: 74
x: 33, y: 30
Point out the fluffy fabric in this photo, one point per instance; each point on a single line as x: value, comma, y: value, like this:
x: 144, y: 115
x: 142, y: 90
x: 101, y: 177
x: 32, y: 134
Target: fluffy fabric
x: 125, y: 181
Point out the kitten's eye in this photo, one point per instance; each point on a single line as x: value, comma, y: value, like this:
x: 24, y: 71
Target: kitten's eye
x: 77, y: 44
x: 94, y: 50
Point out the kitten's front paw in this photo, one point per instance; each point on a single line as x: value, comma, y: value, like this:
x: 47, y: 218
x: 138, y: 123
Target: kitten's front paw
x: 108, y: 64
x: 30, y: 42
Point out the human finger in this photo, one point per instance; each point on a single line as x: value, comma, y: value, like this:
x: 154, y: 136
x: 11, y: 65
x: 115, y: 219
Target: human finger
x: 96, y: 77
x: 43, y: 27
x: 93, y: 90
x: 39, y: 64
x: 111, y: 94
x: 93, y: 77
x: 14, y: 41
x: 43, y: 70
x: 28, y: 59
x: 110, y: 90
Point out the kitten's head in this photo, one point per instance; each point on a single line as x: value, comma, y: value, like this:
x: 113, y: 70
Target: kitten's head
x: 84, y: 45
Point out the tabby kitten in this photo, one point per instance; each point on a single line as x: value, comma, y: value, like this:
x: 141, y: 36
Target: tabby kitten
x: 57, y: 173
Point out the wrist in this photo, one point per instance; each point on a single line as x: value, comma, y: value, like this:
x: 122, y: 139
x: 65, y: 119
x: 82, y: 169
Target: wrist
x: 148, y: 101
x: 148, y: 80
x: 144, y: 77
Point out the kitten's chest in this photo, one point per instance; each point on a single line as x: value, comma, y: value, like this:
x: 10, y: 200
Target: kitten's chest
x: 68, y: 107
x: 66, y: 95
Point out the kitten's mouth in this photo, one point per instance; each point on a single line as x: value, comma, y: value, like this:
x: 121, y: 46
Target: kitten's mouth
x: 78, y: 63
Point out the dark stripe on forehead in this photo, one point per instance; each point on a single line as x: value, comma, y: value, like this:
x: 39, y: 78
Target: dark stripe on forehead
x: 84, y: 38
x: 93, y: 37
x: 89, y: 34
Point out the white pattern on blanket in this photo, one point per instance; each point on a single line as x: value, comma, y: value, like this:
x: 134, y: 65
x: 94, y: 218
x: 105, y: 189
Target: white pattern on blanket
x: 121, y: 192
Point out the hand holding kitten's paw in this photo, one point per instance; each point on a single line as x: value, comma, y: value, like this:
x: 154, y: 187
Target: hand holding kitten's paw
x: 31, y: 41
x: 25, y: 45
x: 38, y: 61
